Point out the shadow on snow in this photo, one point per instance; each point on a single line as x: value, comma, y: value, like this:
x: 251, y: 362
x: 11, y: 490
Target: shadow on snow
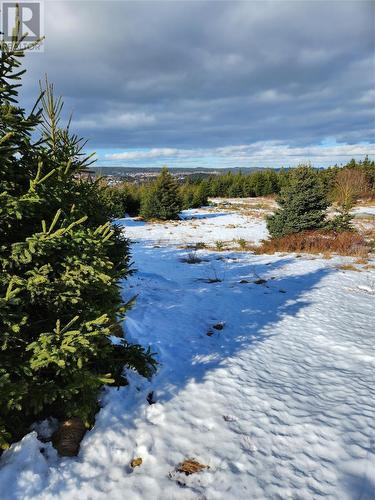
x: 173, y: 314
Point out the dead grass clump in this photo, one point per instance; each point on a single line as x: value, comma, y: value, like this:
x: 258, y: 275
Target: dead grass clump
x: 348, y: 267
x: 192, y: 258
x: 136, y: 462
x: 361, y: 260
x: 190, y: 466
x: 322, y: 242
x: 210, y: 280
x: 254, y: 214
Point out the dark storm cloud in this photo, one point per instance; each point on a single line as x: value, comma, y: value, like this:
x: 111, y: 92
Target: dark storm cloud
x: 210, y: 74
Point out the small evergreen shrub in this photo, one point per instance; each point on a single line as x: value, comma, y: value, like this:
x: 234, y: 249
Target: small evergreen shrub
x: 242, y: 243
x: 342, y: 221
x: 302, y: 204
x: 162, y: 199
x: 121, y: 200
x: 219, y: 245
x: 194, y: 195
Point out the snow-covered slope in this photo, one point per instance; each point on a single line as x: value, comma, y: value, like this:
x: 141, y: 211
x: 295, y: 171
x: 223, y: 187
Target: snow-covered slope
x: 279, y: 402
x: 199, y: 225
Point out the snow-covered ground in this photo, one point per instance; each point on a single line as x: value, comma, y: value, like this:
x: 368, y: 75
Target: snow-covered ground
x: 364, y: 210
x: 279, y: 402
x: 216, y: 226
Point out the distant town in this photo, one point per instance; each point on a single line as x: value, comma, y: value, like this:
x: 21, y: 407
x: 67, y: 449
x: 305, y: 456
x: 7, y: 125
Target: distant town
x: 140, y: 175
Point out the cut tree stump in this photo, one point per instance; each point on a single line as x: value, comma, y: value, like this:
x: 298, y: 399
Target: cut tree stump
x: 68, y: 437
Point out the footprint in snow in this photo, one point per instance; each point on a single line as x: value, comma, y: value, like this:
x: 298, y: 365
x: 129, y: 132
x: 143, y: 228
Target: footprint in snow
x: 247, y: 445
x: 151, y: 398
x: 154, y: 414
x: 229, y: 418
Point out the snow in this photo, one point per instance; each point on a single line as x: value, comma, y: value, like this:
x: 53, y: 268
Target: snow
x: 279, y: 404
x: 218, y: 226
x: 364, y: 210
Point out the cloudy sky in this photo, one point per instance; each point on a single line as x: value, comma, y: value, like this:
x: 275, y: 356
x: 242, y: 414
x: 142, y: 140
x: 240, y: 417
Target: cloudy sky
x: 214, y: 83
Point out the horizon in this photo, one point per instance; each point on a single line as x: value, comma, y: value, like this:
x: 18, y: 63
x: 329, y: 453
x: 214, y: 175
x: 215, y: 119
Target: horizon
x: 276, y: 165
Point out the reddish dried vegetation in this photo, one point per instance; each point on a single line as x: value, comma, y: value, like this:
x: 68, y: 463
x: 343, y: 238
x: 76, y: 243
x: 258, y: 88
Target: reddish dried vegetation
x: 345, y: 243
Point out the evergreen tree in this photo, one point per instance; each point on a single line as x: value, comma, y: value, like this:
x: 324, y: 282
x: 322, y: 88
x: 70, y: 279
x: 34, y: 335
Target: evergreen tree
x: 302, y: 204
x: 200, y: 198
x: 187, y: 193
x: 162, y: 200
x: 61, y: 262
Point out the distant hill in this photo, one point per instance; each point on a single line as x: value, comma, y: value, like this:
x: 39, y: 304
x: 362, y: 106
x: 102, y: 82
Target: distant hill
x: 131, y: 171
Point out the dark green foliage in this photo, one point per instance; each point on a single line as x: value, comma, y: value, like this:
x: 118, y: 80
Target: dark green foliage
x: 194, y: 195
x: 302, y: 204
x: 259, y: 183
x: 200, y: 198
x: 61, y: 262
x: 195, y: 190
x: 120, y: 200
x: 162, y: 199
x: 341, y: 222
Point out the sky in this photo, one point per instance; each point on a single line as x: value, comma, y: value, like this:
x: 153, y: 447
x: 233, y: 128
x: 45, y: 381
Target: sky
x: 213, y: 83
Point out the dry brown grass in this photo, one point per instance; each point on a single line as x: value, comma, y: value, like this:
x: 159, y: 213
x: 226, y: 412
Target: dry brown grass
x: 366, y: 202
x: 319, y: 242
x: 190, y: 466
x: 136, y: 462
x: 348, y: 267
x: 251, y: 207
x: 254, y: 214
x: 366, y: 229
x: 361, y: 260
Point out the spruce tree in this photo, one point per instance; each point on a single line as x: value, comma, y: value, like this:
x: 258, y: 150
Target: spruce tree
x: 61, y: 262
x: 302, y: 204
x: 162, y: 200
x: 200, y: 198
x: 187, y: 193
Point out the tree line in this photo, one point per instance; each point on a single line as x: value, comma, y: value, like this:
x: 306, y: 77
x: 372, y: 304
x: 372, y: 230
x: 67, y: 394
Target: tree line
x: 152, y: 199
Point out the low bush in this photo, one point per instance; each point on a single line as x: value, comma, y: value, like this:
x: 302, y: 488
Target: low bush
x: 242, y: 243
x: 120, y: 200
x: 192, y: 258
x: 343, y: 243
x: 220, y: 246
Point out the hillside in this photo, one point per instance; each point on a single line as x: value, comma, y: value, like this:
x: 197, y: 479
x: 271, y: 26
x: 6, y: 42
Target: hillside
x: 266, y: 375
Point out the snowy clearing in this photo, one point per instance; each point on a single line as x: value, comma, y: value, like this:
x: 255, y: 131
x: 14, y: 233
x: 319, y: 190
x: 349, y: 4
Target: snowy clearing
x: 266, y: 376
x: 198, y: 225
